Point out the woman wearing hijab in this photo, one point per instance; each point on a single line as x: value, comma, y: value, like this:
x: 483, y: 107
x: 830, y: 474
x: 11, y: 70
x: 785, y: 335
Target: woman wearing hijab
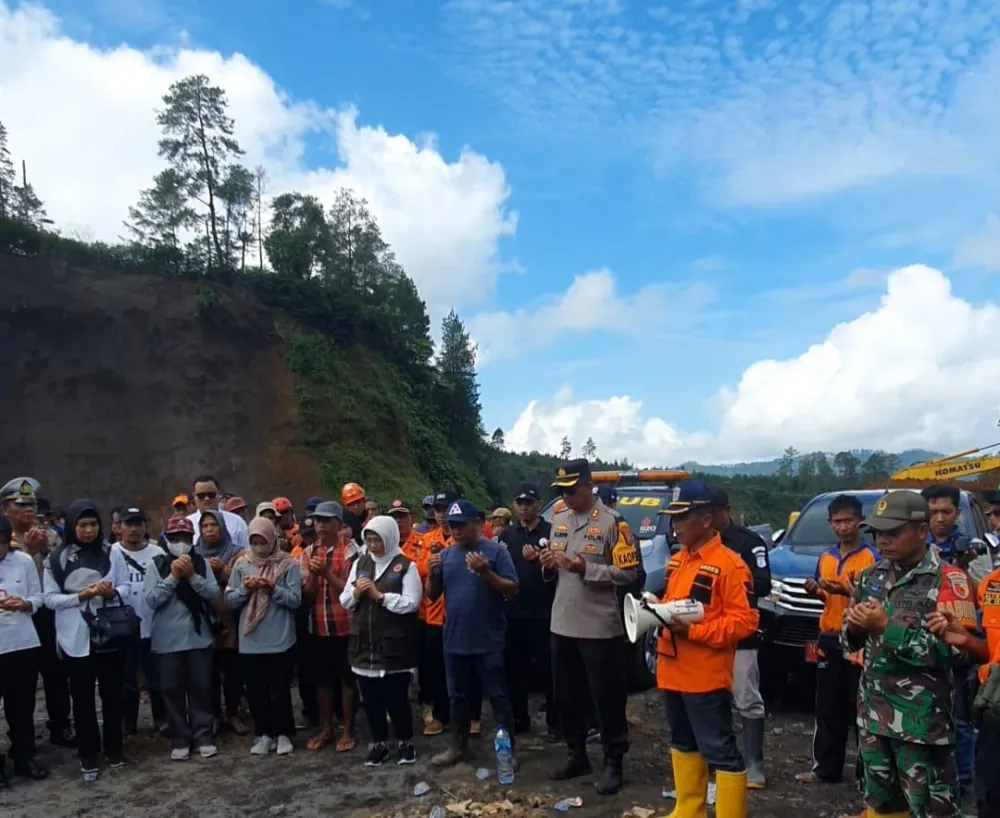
x: 81, y: 571
x: 265, y: 586
x: 383, y: 594
x: 216, y: 547
x: 180, y: 589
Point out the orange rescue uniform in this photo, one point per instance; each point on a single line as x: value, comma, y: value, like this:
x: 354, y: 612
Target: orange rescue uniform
x: 831, y: 566
x: 433, y: 612
x: 989, y: 600
x: 413, y: 549
x: 702, y: 661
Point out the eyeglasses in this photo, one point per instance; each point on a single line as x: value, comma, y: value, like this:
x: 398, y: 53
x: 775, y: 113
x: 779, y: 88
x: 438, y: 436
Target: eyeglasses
x: 207, y: 495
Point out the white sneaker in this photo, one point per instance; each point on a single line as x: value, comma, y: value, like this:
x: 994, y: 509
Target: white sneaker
x: 284, y: 745
x: 208, y: 750
x: 180, y: 754
x: 262, y: 746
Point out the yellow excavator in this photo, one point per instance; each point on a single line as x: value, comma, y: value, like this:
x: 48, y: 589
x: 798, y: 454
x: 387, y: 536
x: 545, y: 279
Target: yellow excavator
x: 951, y: 466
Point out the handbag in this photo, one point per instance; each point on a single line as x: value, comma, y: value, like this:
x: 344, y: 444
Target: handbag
x: 114, y: 627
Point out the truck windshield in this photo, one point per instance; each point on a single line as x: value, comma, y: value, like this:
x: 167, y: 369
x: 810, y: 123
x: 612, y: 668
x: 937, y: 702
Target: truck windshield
x: 641, y: 512
x: 812, y: 530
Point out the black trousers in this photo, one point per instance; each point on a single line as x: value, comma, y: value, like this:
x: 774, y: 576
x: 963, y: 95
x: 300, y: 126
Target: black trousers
x: 269, y: 690
x: 141, y: 657
x: 703, y: 723
x: 389, y: 694
x: 227, y: 680
x: 107, y: 672
x: 433, y: 681
x: 987, y: 780
x: 18, y: 680
x: 594, y: 670
x: 307, y: 687
x: 836, y: 711
x: 55, y: 674
x: 529, y: 651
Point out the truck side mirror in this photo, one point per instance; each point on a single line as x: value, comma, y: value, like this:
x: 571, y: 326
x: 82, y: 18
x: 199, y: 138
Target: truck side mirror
x: 777, y: 535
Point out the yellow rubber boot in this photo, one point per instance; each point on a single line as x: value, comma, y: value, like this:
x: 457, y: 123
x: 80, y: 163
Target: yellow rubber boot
x: 730, y: 795
x: 691, y: 783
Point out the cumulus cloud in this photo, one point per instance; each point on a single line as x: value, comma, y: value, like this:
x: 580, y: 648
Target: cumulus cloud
x: 982, y: 249
x: 591, y: 301
x: 919, y: 371
x: 84, y: 119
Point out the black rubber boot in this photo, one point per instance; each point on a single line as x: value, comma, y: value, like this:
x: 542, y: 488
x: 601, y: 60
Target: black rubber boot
x: 611, y: 781
x: 459, y: 750
x: 4, y: 781
x: 576, y: 765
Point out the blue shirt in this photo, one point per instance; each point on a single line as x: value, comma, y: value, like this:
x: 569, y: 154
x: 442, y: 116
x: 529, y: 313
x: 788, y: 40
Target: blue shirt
x: 475, y: 619
x: 947, y: 546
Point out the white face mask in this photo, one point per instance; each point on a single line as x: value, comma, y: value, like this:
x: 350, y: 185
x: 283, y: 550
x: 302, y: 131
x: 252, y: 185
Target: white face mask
x: 178, y: 549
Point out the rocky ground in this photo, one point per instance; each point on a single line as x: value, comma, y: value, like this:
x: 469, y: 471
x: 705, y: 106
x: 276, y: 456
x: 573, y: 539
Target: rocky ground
x: 325, y: 783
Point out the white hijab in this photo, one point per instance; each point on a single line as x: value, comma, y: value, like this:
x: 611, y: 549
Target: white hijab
x: 387, y: 530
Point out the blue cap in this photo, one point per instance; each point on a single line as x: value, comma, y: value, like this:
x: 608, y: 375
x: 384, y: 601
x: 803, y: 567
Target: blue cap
x: 312, y: 502
x: 606, y: 492
x: 461, y: 511
x: 428, y: 501
x: 329, y: 510
x: 689, y: 495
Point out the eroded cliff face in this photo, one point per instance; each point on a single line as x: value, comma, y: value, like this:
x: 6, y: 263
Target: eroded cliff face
x: 118, y: 388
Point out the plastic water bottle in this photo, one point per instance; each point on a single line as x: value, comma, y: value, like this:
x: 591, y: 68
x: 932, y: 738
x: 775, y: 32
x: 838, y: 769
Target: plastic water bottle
x: 505, y: 757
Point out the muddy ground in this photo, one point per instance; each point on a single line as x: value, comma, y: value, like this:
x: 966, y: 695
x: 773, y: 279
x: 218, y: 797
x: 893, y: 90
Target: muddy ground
x: 308, y: 784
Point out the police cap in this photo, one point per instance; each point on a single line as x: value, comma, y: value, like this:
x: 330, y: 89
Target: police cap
x: 571, y: 473
x: 21, y: 490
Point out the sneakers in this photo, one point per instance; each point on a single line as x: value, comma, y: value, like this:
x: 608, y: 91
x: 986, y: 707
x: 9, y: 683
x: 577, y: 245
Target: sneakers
x: 407, y: 755
x: 116, y: 761
x: 208, y: 750
x: 91, y: 768
x: 377, y: 755
x: 180, y: 754
x: 284, y: 745
x: 433, y: 728
x: 262, y: 746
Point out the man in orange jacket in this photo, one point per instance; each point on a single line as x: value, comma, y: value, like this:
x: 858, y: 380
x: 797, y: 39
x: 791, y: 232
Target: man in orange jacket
x: 695, y: 664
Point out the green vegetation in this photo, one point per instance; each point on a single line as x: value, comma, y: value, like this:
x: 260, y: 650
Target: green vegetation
x: 376, y: 404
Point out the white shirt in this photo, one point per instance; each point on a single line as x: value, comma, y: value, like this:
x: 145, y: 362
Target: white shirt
x: 137, y: 596
x: 405, y: 603
x: 19, y: 577
x: 235, y: 525
x: 72, y: 630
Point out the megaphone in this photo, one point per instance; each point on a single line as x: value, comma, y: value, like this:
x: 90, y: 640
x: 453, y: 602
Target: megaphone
x: 640, y: 615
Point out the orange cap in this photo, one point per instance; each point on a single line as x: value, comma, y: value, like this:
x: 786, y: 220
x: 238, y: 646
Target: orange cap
x: 235, y: 504
x: 180, y: 500
x: 351, y: 493
x: 282, y: 504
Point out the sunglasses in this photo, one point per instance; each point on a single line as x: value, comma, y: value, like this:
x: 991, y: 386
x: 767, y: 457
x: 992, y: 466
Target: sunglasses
x: 207, y: 495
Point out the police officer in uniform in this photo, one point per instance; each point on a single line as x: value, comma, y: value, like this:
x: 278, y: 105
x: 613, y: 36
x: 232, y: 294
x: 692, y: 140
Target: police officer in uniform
x: 746, y: 674
x: 590, y: 555
x: 19, y: 499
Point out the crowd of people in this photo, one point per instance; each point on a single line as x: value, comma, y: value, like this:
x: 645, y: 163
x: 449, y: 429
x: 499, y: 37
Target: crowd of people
x: 352, y: 604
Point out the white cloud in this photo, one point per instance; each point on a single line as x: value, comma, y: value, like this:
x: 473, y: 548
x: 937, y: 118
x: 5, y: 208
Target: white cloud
x: 592, y: 302
x: 919, y: 371
x: 83, y: 118
x: 983, y: 249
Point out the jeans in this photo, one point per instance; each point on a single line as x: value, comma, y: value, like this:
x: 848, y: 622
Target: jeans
x: 965, y: 739
x: 460, y: 668
x: 703, y: 723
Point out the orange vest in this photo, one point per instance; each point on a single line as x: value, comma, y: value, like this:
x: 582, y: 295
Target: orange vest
x: 702, y: 661
x: 832, y: 567
x: 433, y: 612
x: 989, y: 600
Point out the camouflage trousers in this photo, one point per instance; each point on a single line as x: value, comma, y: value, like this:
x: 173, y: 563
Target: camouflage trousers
x: 903, y: 777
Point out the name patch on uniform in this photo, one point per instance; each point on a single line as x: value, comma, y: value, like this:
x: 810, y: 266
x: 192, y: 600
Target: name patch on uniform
x: 592, y: 548
x: 710, y: 569
x: 557, y: 545
x: 595, y: 530
x: 562, y: 528
x: 991, y: 598
x: 959, y: 585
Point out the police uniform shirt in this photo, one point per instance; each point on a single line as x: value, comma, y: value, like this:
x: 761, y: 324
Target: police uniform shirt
x: 587, y: 606
x: 753, y: 550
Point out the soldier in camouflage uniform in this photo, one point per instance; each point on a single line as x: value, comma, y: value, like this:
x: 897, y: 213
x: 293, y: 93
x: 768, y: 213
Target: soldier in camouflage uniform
x: 906, y: 714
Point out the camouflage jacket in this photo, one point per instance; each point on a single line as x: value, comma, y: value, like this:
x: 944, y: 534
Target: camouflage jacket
x: 906, y: 689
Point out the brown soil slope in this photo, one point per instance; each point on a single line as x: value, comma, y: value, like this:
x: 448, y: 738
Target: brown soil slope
x: 116, y: 388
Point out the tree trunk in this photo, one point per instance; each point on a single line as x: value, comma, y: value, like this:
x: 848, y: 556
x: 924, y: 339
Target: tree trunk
x: 209, y: 182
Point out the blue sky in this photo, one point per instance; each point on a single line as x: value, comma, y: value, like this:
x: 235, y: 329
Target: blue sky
x: 753, y: 170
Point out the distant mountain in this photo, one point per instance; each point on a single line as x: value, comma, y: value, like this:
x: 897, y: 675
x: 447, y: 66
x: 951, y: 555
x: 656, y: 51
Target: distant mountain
x: 759, y: 468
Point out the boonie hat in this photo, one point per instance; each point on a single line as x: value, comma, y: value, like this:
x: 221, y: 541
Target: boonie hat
x: 329, y: 510
x: 689, y: 495
x: 461, y: 511
x: 570, y: 473
x: 897, y: 508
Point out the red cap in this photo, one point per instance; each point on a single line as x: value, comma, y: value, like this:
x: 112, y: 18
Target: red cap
x: 235, y: 504
x: 281, y: 504
x: 179, y: 525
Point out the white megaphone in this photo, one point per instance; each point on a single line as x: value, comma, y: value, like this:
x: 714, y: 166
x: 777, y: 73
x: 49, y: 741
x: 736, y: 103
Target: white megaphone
x: 641, y: 615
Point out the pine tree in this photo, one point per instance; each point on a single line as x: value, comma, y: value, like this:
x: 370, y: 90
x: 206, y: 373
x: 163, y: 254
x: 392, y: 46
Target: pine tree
x: 456, y: 365
x: 566, y: 448
x: 8, y: 178
x: 590, y: 449
x: 162, y: 212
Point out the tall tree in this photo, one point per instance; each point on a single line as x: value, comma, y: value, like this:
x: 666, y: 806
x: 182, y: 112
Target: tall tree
x: 236, y: 192
x: 565, y: 448
x: 359, y: 249
x: 497, y: 441
x: 162, y: 212
x: 199, y: 144
x: 590, y: 449
x: 847, y: 464
x: 456, y: 364
x: 8, y: 178
x: 786, y: 469
x: 299, y: 242
x: 259, y: 189
x: 28, y: 207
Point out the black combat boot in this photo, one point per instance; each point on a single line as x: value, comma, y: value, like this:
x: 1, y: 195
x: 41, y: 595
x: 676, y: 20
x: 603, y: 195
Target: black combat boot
x: 459, y: 750
x: 577, y: 764
x: 612, y: 779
